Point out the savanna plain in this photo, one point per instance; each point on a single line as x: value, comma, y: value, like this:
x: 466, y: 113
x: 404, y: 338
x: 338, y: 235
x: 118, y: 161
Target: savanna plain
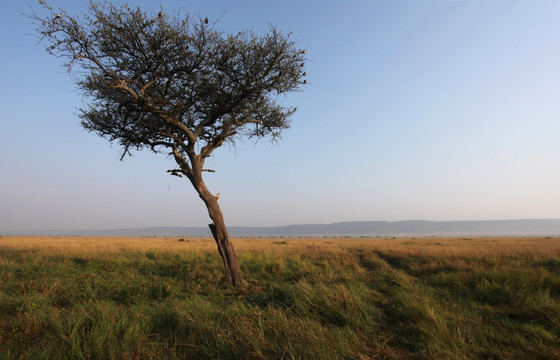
x: 321, y: 298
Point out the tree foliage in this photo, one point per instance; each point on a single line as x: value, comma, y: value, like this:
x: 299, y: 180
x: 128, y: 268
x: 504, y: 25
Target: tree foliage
x: 169, y: 82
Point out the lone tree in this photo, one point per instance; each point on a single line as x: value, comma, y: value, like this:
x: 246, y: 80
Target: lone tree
x: 175, y: 85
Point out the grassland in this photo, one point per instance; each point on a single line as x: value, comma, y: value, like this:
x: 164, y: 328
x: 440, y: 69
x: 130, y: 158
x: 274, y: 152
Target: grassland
x: 160, y: 298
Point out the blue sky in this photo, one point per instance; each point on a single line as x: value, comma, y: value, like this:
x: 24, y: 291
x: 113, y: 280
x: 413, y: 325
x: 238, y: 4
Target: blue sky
x: 433, y: 110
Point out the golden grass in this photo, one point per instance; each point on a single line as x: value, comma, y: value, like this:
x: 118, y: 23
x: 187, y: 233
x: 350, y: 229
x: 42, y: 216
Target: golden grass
x: 485, y: 246
x: 328, y: 298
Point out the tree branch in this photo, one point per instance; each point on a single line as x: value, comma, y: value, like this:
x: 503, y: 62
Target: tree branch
x: 182, y: 162
x: 143, y: 89
x: 122, y: 85
x: 175, y: 172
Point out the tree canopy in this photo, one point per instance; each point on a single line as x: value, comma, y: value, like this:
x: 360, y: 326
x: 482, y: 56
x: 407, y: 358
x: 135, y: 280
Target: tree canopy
x: 171, y: 81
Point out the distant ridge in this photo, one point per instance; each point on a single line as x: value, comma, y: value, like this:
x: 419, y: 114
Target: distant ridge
x: 544, y: 227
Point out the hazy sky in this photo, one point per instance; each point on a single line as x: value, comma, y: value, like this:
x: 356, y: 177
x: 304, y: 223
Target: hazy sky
x: 432, y: 110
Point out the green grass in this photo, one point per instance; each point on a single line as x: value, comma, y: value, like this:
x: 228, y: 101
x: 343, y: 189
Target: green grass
x: 319, y: 302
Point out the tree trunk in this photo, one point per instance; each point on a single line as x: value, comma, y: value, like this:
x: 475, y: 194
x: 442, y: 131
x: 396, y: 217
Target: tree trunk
x: 225, y: 246
x: 218, y: 227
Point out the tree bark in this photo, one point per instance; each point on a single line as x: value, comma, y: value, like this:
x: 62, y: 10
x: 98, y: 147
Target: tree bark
x: 219, y: 232
x: 225, y: 246
x: 218, y: 227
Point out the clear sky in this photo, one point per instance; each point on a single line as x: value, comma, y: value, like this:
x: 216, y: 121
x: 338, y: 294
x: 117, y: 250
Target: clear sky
x: 432, y: 110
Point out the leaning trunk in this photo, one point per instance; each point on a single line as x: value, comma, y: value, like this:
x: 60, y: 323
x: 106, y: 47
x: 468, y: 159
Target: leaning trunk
x: 225, y: 246
x: 218, y: 227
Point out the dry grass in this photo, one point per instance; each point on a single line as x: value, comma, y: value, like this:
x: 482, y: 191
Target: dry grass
x: 327, y: 298
x: 93, y: 245
x: 485, y: 246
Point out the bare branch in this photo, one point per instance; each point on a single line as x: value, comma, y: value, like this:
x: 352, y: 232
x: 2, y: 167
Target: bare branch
x: 145, y: 87
x: 122, y: 85
x: 175, y: 172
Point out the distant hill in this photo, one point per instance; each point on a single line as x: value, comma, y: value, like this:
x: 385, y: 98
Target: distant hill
x: 356, y: 228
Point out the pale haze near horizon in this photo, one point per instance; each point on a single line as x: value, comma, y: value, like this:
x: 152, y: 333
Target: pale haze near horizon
x: 431, y: 110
